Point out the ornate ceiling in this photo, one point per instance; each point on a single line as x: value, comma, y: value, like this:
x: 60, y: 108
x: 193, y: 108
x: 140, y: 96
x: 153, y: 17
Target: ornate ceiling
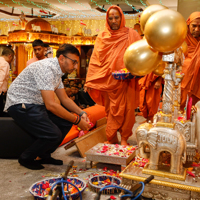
x: 73, y: 9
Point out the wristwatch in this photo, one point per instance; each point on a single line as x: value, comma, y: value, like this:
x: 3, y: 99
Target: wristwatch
x: 83, y: 112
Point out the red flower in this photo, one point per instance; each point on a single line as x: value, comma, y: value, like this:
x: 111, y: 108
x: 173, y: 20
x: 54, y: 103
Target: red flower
x: 190, y: 173
x: 105, y: 169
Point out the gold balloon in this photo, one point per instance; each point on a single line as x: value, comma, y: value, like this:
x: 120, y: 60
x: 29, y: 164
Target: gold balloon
x: 184, y: 47
x: 165, y: 30
x: 159, y: 71
x: 150, y: 10
x: 140, y: 59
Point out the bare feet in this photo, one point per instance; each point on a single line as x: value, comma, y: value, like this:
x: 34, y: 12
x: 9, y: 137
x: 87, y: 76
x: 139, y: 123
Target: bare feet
x: 124, y: 142
x: 113, y: 141
x: 107, y: 142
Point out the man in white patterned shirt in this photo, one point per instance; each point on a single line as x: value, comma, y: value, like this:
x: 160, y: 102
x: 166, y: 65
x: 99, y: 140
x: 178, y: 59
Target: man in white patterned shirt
x: 31, y: 103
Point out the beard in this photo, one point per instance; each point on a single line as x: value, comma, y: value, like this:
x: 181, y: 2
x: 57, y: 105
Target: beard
x: 196, y: 35
x: 114, y: 27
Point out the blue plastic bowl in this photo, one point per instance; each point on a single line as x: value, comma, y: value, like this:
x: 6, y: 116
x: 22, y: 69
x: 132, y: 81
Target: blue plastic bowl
x: 38, y: 187
x: 114, y: 181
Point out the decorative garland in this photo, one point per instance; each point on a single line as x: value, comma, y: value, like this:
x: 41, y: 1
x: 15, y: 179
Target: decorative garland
x: 161, y: 2
x: 61, y: 13
x: 143, y: 3
x: 94, y: 10
x: 126, y: 1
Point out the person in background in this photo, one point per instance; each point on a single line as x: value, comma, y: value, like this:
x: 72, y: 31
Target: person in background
x: 69, y: 93
x: 31, y: 103
x: 66, y: 82
x: 46, y: 46
x: 5, y: 61
x: 83, y: 82
x: 49, y: 52
x: 71, y: 82
x: 150, y: 95
x: 84, y: 98
x: 190, y: 83
x: 119, y: 98
x: 39, y: 50
x: 74, y: 89
x: 79, y: 85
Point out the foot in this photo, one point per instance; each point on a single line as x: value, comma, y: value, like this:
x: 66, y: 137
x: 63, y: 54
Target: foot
x: 107, y: 142
x: 30, y: 164
x: 50, y: 160
x: 124, y: 142
x: 113, y: 141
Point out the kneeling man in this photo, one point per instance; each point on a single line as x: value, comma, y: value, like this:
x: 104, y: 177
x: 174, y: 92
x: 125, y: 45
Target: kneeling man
x: 31, y: 103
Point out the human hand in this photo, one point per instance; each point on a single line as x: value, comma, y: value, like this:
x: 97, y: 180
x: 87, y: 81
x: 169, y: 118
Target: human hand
x: 85, y: 89
x: 157, y: 84
x: 84, y: 125
x: 85, y: 117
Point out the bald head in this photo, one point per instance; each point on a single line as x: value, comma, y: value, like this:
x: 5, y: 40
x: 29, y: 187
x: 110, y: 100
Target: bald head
x: 114, y: 19
x: 8, y: 54
x: 194, y: 28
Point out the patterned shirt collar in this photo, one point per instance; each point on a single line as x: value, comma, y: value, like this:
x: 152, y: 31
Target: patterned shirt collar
x: 41, y: 75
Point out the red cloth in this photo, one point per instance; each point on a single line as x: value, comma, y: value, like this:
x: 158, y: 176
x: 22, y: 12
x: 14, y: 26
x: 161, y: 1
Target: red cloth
x: 189, y: 106
x: 118, y: 97
x: 149, y: 96
x: 191, y: 65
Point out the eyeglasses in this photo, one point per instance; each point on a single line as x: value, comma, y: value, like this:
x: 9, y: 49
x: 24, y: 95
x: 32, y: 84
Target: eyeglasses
x: 75, y: 62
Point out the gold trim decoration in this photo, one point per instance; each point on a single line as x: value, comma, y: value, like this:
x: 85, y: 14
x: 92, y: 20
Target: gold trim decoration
x: 166, y: 71
x: 180, y: 177
x: 176, y: 103
x: 158, y: 182
x: 165, y: 115
x: 146, y: 126
x: 3, y: 39
x: 163, y: 183
x: 164, y: 124
x: 29, y: 49
x: 27, y: 37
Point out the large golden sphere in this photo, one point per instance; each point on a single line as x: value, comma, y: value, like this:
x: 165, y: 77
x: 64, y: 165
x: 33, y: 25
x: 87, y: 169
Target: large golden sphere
x: 159, y: 71
x: 184, y: 47
x: 165, y: 30
x: 140, y: 59
x: 150, y: 10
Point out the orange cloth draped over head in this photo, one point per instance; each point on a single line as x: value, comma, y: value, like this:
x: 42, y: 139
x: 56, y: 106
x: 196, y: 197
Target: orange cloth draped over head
x: 118, y: 97
x: 149, y: 96
x: 191, y: 66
